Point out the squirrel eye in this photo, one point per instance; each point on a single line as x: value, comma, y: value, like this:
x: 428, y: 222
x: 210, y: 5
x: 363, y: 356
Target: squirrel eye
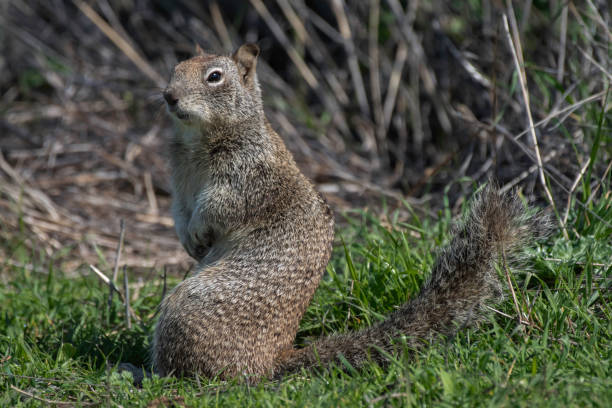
x: 214, y: 76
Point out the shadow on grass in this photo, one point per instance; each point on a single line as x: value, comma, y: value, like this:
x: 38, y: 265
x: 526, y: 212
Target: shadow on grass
x: 99, y: 346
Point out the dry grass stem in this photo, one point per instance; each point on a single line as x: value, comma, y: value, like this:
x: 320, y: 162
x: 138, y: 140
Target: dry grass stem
x: 599, y: 19
x: 597, y: 64
x: 116, y: 266
x: 519, y: 65
x: 126, y: 290
x: 282, y: 38
x: 220, y: 27
x: 148, y: 182
x: 111, y: 284
x: 52, y: 402
x: 573, y: 187
x: 401, y: 56
x: 562, y: 42
x: 121, y: 43
x: 353, y: 65
x: 523, y: 175
x: 519, y: 313
x: 294, y: 20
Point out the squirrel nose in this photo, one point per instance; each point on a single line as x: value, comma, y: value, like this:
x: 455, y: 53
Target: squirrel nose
x: 170, y: 98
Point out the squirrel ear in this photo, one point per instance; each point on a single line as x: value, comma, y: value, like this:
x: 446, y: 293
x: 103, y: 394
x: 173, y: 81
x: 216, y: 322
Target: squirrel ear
x: 246, y: 59
x: 199, y: 50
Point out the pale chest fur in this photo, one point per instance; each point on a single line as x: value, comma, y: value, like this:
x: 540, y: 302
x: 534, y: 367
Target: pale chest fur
x: 189, y: 183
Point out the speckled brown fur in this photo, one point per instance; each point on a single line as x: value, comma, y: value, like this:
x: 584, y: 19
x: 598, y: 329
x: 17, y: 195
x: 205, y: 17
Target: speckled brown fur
x: 260, y: 231
x: 262, y: 236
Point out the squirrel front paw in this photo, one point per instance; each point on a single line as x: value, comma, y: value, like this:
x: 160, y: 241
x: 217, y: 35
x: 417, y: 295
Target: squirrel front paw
x: 196, y: 251
x: 198, y: 240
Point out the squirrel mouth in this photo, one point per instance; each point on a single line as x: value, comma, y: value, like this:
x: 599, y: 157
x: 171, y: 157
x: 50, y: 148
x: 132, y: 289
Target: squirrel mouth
x: 181, y: 115
x: 178, y: 113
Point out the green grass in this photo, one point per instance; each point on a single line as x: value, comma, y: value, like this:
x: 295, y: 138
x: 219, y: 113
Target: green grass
x: 57, y: 335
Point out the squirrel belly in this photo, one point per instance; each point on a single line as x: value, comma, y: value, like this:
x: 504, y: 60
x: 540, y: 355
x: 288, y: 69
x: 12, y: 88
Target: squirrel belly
x: 262, y: 236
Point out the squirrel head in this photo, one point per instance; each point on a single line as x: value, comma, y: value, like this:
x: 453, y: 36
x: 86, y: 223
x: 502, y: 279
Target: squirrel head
x: 212, y: 90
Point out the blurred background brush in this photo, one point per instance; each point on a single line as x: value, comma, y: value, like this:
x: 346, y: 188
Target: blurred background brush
x: 379, y: 101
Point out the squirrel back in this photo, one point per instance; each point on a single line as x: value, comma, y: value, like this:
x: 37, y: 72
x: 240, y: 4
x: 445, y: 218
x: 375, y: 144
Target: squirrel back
x: 262, y: 236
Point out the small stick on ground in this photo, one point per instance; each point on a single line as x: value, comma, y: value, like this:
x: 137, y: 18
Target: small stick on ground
x: 514, y: 299
x: 572, y: 188
x: 499, y: 312
x: 510, y: 371
x: 110, y: 283
x: 106, y: 280
x: 126, y: 290
x: 51, y: 402
x: 116, y: 267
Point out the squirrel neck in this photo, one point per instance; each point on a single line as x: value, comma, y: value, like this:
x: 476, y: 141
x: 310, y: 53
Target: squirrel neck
x: 223, y: 147
x: 248, y: 134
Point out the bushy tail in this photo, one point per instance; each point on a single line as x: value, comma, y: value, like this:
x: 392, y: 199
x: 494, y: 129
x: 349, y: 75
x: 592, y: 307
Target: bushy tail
x: 462, y: 280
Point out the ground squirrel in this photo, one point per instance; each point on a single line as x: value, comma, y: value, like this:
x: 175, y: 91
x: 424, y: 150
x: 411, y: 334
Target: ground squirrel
x: 262, y: 236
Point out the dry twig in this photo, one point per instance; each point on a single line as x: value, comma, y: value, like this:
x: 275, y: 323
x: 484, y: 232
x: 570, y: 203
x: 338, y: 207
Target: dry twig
x: 116, y: 267
x: 52, y: 402
x: 126, y: 290
x: 111, y: 284
x: 507, y: 272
